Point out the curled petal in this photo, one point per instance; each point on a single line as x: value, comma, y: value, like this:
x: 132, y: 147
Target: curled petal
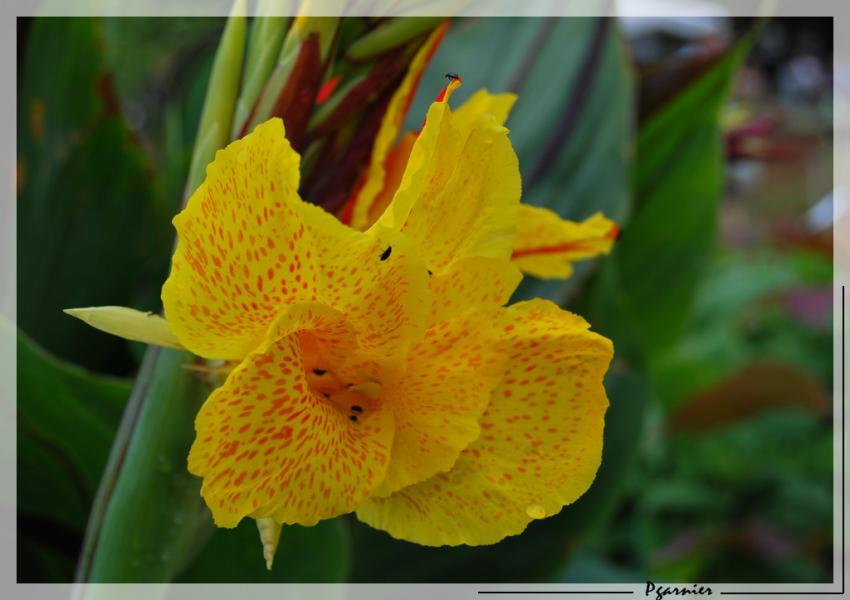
x: 540, y: 445
x: 547, y: 245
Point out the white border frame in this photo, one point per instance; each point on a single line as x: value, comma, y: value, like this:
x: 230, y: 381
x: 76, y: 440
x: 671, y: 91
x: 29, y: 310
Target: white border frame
x: 11, y: 9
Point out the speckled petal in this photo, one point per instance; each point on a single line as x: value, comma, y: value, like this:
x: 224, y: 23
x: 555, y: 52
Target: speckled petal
x: 472, y: 282
x: 540, y: 446
x: 376, y: 279
x: 241, y: 252
x: 437, y: 405
x: 460, y: 191
x: 268, y: 445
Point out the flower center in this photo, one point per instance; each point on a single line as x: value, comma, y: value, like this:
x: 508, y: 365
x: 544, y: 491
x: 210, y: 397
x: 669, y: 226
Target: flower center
x: 352, y: 398
x: 349, y: 398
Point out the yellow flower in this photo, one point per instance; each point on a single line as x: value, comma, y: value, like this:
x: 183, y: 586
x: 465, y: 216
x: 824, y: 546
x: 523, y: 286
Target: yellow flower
x: 378, y: 371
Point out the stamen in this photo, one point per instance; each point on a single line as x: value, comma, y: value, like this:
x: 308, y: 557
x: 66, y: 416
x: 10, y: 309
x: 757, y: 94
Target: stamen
x: 319, y: 372
x: 353, y: 418
x: 356, y: 409
x: 386, y: 253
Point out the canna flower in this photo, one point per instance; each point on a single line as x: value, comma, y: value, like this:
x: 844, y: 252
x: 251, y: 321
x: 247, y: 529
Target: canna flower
x: 377, y: 370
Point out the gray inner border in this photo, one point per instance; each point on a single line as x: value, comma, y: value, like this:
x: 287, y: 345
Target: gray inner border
x: 10, y: 9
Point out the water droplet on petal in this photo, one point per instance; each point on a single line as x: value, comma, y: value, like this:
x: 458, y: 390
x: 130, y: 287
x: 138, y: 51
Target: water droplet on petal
x: 535, y: 511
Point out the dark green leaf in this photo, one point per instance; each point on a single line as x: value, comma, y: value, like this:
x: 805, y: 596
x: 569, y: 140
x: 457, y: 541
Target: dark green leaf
x: 67, y: 419
x: 679, y: 178
x: 88, y: 230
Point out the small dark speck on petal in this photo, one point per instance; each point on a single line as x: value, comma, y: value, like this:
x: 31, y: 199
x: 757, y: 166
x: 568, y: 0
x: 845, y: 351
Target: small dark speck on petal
x: 386, y: 254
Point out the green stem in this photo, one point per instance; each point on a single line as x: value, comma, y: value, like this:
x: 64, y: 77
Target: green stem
x: 153, y: 518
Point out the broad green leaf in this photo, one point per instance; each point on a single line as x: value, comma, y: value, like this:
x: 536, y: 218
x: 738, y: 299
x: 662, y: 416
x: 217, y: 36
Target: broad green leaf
x: 67, y: 419
x: 86, y: 211
x: 678, y: 182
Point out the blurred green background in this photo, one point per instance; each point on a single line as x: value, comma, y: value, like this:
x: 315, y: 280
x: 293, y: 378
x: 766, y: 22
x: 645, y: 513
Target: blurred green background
x: 707, y: 140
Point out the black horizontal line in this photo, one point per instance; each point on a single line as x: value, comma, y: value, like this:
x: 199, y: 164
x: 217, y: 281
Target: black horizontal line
x: 835, y: 593
x: 556, y: 592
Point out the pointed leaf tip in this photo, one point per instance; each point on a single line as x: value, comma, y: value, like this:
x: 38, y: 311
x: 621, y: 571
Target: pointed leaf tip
x: 128, y: 323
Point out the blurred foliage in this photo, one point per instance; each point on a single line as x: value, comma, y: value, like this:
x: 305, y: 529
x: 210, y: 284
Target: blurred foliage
x: 746, y: 497
x: 86, y: 215
x: 67, y: 419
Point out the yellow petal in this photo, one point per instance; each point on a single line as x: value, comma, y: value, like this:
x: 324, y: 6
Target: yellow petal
x: 242, y: 251
x: 460, y: 191
x: 437, y: 404
x: 128, y: 323
x: 395, y: 164
x: 391, y: 124
x: 547, y: 245
x: 540, y: 445
x: 483, y: 102
x: 270, y: 445
x: 376, y: 279
x: 472, y: 282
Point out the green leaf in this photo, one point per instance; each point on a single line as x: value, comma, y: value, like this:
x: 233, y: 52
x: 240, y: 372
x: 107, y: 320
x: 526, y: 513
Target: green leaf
x: 318, y: 554
x: 67, y: 419
x: 678, y: 181
x: 86, y: 210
